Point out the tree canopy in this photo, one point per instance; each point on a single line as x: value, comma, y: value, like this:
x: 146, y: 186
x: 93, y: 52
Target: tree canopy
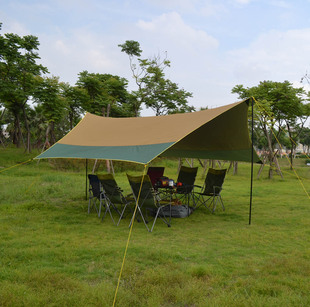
x: 280, y: 109
x: 154, y: 90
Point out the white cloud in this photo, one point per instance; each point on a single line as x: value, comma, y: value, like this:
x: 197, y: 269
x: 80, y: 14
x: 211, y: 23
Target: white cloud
x: 281, y: 4
x: 275, y: 56
x: 67, y: 55
x: 13, y: 26
x: 181, y: 5
x: 62, y: 48
x: 242, y: 1
x: 171, y: 29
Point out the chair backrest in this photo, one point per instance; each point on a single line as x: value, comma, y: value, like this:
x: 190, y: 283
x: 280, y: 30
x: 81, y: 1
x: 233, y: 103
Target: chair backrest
x: 110, y: 187
x: 215, y: 177
x: 154, y: 173
x: 187, y: 176
x: 147, y: 192
x: 95, y: 185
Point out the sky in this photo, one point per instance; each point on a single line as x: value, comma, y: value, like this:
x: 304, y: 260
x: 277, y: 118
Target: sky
x: 213, y: 45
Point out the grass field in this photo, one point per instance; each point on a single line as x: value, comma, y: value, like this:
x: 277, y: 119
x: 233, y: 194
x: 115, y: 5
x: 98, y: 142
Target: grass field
x: 52, y: 253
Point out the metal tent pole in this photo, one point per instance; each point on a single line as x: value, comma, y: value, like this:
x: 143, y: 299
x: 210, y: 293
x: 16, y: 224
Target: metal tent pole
x: 252, y: 158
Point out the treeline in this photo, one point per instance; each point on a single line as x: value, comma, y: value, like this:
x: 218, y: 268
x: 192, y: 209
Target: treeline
x: 37, y: 109
x: 280, y: 115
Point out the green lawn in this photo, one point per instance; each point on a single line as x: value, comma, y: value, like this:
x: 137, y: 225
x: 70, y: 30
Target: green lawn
x: 52, y: 253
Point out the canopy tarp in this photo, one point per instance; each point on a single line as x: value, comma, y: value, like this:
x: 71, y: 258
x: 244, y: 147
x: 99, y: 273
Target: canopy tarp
x: 220, y: 133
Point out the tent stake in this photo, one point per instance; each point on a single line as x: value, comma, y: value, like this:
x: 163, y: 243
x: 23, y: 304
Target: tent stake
x: 252, y: 158
x: 86, y: 166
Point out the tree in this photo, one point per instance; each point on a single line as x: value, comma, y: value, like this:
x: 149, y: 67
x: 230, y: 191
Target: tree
x: 107, y: 94
x: 304, y: 139
x: 280, y: 108
x: 48, y: 97
x: 18, y: 70
x: 154, y: 90
x: 75, y: 97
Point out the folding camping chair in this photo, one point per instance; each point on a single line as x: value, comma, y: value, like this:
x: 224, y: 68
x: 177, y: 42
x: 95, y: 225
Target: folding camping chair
x: 145, y: 197
x: 96, y: 192
x: 154, y: 173
x: 185, y: 184
x: 114, y: 195
x: 211, y: 190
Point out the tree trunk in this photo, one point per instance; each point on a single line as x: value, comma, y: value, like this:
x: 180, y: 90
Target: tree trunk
x: 28, y: 148
x: 276, y: 162
x: 261, y: 167
x: 71, y: 120
x: 20, y: 135
x: 270, y: 154
x: 292, y: 145
x: 108, y: 110
x: 47, y: 132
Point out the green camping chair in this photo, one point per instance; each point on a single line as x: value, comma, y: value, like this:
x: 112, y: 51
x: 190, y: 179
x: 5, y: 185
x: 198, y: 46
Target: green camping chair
x: 185, y: 185
x: 114, y: 195
x: 146, y: 198
x: 96, y: 192
x: 210, y: 192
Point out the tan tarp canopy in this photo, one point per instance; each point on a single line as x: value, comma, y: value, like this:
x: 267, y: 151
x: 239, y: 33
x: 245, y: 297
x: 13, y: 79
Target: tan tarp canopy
x: 219, y: 133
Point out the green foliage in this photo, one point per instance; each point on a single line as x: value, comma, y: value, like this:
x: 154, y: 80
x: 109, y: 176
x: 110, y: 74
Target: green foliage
x: 132, y: 48
x: 75, y: 98
x: 53, y: 253
x: 47, y: 94
x: 280, y: 109
x: 18, y: 70
x: 154, y: 90
x: 305, y: 136
x: 107, y: 94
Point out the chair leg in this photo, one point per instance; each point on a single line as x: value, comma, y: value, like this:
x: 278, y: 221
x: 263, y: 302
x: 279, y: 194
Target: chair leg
x: 108, y: 210
x: 220, y: 197
x: 100, y: 205
x: 122, y: 213
x: 164, y: 218
x: 143, y: 219
x: 154, y: 221
x: 205, y: 203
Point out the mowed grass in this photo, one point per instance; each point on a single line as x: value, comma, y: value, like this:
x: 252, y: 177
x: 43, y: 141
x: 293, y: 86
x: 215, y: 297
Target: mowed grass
x: 52, y: 253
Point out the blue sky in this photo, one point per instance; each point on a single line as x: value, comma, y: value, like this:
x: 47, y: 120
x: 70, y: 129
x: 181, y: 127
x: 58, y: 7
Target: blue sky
x: 212, y: 45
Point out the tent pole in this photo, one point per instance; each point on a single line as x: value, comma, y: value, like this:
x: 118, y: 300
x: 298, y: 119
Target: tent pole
x: 86, y: 167
x: 252, y: 158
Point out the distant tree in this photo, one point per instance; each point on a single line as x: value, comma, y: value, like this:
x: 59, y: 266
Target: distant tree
x: 154, y: 90
x: 52, y: 105
x: 304, y: 138
x: 75, y: 97
x: 108, y: 95
x: 18, y: 70
x: 280, y: 106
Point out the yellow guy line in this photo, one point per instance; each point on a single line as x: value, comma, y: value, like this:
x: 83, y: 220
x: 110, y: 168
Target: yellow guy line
x: 15, y: 165
x: 289, y: 173
x: 258, y: 104
x: 133, y: 219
